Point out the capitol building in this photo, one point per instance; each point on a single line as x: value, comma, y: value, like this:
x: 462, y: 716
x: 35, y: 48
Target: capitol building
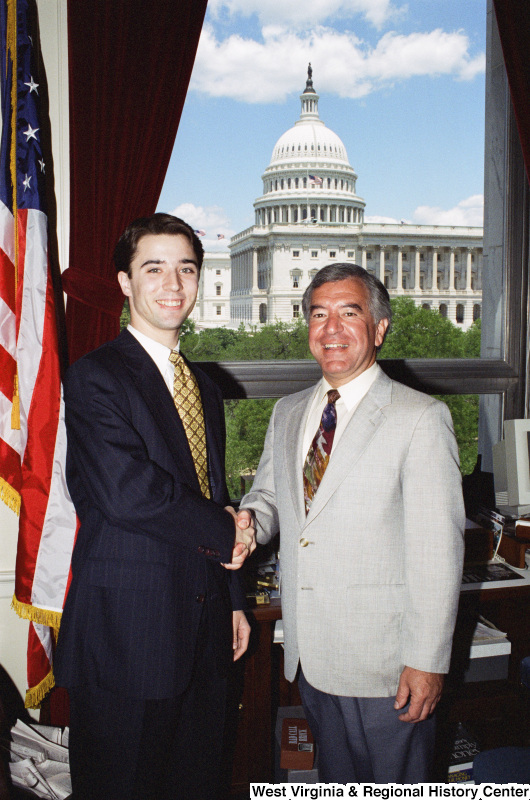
x: 310, y: 215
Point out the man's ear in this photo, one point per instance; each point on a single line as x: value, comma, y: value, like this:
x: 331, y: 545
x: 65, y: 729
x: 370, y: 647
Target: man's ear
x: 380, y: 332
x: 125, y: 284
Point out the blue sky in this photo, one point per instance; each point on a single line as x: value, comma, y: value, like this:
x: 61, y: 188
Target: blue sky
x: 402, y: 84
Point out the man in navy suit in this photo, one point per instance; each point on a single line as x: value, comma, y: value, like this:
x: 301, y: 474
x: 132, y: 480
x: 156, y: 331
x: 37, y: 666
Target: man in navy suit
x: 154, y: 616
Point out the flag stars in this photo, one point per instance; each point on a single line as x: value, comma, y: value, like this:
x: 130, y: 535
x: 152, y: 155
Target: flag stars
x: 26, y: 182
x: 42, y: 164
x: 32, y: 85
x: 30, y: 133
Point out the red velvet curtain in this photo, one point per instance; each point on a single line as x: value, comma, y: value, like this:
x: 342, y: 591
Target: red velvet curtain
x: 513, y: 20
x: 130, y: 63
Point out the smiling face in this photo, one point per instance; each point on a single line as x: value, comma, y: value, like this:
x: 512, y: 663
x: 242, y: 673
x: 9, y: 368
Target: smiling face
x: 343, y: 336
x: 162, y: 287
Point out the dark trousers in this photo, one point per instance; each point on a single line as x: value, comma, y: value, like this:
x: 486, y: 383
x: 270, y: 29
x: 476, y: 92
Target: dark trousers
x: 361, y: 739
x: 127, y: 749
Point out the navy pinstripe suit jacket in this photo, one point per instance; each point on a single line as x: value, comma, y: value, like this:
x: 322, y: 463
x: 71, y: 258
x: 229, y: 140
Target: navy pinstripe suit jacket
x: 149, y: 547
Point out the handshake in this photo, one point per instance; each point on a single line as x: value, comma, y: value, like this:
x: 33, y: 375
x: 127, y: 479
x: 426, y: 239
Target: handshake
x: 245, y: 538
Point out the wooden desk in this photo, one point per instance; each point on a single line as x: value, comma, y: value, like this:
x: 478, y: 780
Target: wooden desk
x: 492, y: 708
x: 253, y: 701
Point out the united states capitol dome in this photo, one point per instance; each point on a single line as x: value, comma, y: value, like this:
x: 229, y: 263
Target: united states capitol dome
x: 309, y: 177
x: 309, y: 138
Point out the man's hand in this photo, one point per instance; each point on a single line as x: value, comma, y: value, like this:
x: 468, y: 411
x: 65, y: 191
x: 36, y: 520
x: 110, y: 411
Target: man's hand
x: 245, y: 538
x: 423, y: 689
x: 241, y: 630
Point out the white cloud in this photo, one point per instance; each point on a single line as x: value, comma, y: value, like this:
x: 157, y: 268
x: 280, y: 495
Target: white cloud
x: 212, y: 220
x: 298, y: 14
x: 262, y: 72
x: 379, y: 220
x: 468, y: 212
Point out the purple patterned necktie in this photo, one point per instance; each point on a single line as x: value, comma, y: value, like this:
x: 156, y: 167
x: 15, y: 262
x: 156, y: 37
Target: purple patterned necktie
x: 318, y: 454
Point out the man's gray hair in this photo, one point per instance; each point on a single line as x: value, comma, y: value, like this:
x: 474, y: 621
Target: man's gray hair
x: 378, y: 297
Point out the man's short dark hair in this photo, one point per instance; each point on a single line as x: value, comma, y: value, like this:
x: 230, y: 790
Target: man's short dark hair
x: 125, y: 250
x: 378, y: 297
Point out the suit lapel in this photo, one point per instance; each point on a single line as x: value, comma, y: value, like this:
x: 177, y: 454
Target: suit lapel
x: 293, y: 443
x: 362, y: 427
x: 152, y: 387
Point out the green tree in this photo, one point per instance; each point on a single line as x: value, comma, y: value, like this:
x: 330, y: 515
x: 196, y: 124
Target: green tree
x: 421, y: 333
x: 281, y: 340
x: 246, y: 426
x: 211, y: 344
x: 125, y: 317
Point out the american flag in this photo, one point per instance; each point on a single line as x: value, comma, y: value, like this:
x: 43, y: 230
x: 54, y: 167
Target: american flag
x: 200, y: 232
x: 220, y: 236
x: 32, y: 432
x: 314, y: 180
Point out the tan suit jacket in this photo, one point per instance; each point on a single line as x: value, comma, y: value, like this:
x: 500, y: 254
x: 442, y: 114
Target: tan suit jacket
x: 371, y: 577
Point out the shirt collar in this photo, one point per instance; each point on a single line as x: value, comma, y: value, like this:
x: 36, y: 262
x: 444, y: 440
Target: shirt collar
x: 158, y: 352
x: 353, y: 391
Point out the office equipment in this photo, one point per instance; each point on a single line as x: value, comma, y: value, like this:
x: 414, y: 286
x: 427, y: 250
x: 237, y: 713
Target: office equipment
x: 511, y: 469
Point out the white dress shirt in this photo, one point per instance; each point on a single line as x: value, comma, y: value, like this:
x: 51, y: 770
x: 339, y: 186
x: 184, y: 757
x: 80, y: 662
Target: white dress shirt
x: 351, y: 395
x: 160, y: 355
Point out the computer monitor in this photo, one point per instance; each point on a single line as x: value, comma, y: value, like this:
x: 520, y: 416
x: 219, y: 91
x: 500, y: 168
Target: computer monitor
x: 511, y: 469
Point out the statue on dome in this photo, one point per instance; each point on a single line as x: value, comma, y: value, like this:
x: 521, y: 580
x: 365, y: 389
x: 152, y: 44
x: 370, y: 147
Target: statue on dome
x: 309, y: 71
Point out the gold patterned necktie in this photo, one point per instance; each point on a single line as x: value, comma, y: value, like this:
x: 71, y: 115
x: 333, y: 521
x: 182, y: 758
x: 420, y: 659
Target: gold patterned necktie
x: 318, y: 454
x: 187, y: 398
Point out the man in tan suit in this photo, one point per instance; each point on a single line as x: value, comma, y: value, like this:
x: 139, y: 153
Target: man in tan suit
x: 365, y: 486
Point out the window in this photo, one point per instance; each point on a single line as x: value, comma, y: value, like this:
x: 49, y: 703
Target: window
x: 296, y: 281
x: 217, y: 271
x: 218, y: 290
x: 296, y: 311
x: 499, y: 380
x: 351, y: 254
x: 314, y: 253
x: 218, y: 310
x: 332, y: 254
x: 368, y: 256
x: 460, y: 313
x: 263, y: 312
x: 296, y: 253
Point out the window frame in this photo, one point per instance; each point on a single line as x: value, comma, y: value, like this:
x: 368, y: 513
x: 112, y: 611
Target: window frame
x: 504, y: 376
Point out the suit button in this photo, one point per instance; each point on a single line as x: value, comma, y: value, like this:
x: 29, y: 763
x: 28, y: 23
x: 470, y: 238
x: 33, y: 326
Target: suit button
x: 200, y: 598
x: 303, y: 542
x: 200, y: 549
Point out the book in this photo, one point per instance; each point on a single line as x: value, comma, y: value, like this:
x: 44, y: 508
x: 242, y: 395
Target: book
x: 297, y: 745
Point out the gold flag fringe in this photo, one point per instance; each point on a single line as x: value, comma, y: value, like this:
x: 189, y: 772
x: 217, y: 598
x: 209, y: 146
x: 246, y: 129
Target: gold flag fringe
x: 36, y: 694
x: 9, y: 496
x: 42, y: 616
